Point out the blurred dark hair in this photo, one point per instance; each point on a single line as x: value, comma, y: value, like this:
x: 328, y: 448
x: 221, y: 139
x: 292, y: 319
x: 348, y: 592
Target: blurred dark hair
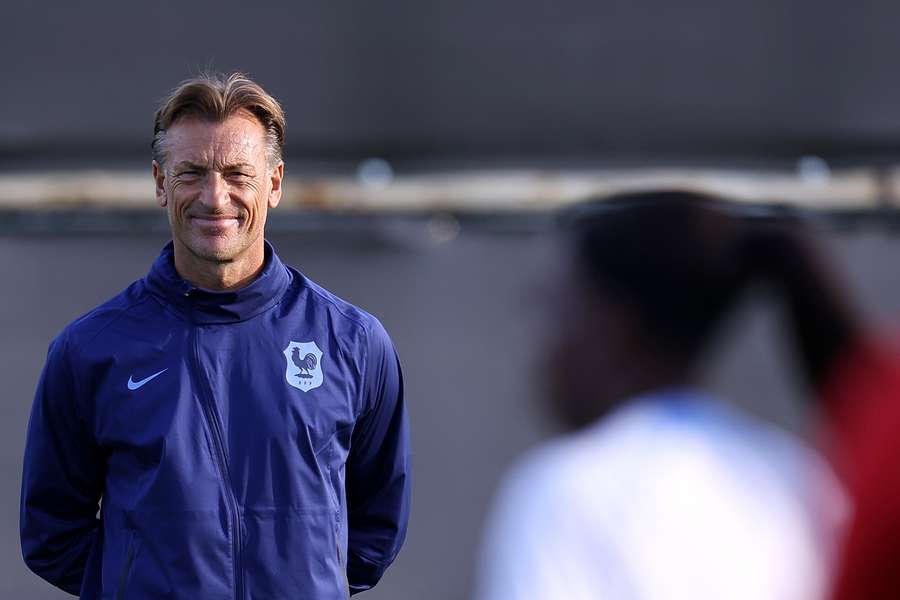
x: 677, y: 257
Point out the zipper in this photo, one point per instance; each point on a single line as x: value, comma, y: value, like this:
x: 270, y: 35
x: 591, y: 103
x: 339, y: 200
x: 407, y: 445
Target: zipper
x: 126, y: 568
x: 209, y: 411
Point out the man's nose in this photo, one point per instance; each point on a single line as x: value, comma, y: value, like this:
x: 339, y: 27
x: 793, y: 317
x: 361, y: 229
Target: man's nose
x: 215, y: 192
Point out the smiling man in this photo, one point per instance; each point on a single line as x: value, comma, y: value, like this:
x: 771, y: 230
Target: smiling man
x: 244, y: 427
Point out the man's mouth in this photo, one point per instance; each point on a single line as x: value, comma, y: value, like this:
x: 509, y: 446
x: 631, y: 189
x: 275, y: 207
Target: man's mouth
x: 215, y: 221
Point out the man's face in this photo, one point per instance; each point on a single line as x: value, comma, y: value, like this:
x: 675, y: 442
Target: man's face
x: 217, y: 186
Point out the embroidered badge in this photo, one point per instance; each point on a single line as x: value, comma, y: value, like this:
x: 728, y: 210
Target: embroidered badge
x: 304, y: 365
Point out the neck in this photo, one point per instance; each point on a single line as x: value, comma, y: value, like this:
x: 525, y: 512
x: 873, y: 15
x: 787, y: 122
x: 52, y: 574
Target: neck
x: 219, y: 276
x: 656, y: 380
x: 659, y: 369
x: 646, y: 374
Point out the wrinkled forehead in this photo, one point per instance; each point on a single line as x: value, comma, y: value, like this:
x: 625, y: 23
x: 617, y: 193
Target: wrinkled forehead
x: 238, y: 139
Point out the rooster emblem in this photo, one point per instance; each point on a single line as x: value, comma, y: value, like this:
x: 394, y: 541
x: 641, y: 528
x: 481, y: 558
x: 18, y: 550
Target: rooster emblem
x: 304, y: 365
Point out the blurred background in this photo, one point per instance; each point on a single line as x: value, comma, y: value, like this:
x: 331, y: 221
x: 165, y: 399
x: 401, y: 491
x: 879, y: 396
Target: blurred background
x: 428, y: 145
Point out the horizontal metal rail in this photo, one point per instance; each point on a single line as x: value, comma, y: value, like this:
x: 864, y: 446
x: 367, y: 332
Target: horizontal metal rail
x: 477, y: 191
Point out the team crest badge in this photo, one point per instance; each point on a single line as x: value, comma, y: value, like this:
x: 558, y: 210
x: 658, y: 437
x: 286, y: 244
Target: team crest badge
x: 304, y: 365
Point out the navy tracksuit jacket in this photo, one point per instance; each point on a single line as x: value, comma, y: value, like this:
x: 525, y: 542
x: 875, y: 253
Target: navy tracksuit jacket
x: 246, y: 445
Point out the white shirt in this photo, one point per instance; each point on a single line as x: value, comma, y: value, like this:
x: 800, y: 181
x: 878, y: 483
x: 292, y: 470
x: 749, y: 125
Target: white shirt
x: 672, y: 497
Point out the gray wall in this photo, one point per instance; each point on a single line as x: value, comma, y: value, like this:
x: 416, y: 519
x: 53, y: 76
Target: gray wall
x: 463, y: 317
x: 421, y: 80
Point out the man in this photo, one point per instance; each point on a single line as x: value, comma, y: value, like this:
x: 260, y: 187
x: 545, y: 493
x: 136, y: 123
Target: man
x: 660, y: 491
x: 244, y: 427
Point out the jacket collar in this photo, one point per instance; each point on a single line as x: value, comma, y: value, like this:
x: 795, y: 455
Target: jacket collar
x: 207, y: 306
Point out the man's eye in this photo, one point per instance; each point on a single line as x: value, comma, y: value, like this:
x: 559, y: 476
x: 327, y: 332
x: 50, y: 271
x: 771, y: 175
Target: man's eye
x: 190, y: 173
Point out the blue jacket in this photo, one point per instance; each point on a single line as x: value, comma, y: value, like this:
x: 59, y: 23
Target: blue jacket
x: 246, y: 445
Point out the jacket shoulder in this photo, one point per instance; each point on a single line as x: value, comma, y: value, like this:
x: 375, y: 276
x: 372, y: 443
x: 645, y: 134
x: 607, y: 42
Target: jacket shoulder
x: 340, y: 309
x: 88, y: 326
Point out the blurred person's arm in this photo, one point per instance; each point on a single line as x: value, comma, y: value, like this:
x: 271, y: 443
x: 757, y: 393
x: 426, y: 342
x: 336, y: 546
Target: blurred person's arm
x: 62, y: 478
x: 378, y: 469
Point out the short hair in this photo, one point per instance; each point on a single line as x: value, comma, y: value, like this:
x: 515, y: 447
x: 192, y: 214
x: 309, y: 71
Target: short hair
x: 215, y: 97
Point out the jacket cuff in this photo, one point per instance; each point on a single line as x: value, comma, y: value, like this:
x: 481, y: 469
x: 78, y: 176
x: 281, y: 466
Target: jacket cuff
x: 362, y: 574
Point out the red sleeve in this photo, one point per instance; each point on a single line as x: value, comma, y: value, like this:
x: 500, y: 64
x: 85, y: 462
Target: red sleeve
x: 863, y: 398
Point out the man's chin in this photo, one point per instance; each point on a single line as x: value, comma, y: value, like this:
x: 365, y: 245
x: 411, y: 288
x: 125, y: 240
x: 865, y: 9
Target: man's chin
x: 214, y: 250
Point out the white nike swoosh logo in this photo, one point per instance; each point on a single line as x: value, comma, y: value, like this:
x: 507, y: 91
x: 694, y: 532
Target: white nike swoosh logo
x: 133, y: 385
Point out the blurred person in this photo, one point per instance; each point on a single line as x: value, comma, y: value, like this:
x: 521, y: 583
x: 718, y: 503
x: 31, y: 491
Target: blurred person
x: 660, y: 490
x: 863, y: 395
x: 244, y: 427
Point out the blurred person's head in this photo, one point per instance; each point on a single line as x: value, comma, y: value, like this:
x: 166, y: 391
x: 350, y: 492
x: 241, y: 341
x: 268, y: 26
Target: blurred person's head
x: 652, y: 275
x: 217, y: 165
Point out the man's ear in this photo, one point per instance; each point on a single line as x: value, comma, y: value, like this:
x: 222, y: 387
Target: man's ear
x: 159, y: 178
x: 276, y: 178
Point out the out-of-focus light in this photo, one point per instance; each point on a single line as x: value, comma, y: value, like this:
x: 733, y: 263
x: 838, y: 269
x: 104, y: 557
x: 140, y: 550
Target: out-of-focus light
x: 443, y: 227
x: 813, y: 170
x: 375, y: 172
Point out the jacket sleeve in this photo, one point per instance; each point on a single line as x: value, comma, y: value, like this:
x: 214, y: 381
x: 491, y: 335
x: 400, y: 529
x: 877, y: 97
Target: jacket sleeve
x: 378, y: 469
x: 62, y: 479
